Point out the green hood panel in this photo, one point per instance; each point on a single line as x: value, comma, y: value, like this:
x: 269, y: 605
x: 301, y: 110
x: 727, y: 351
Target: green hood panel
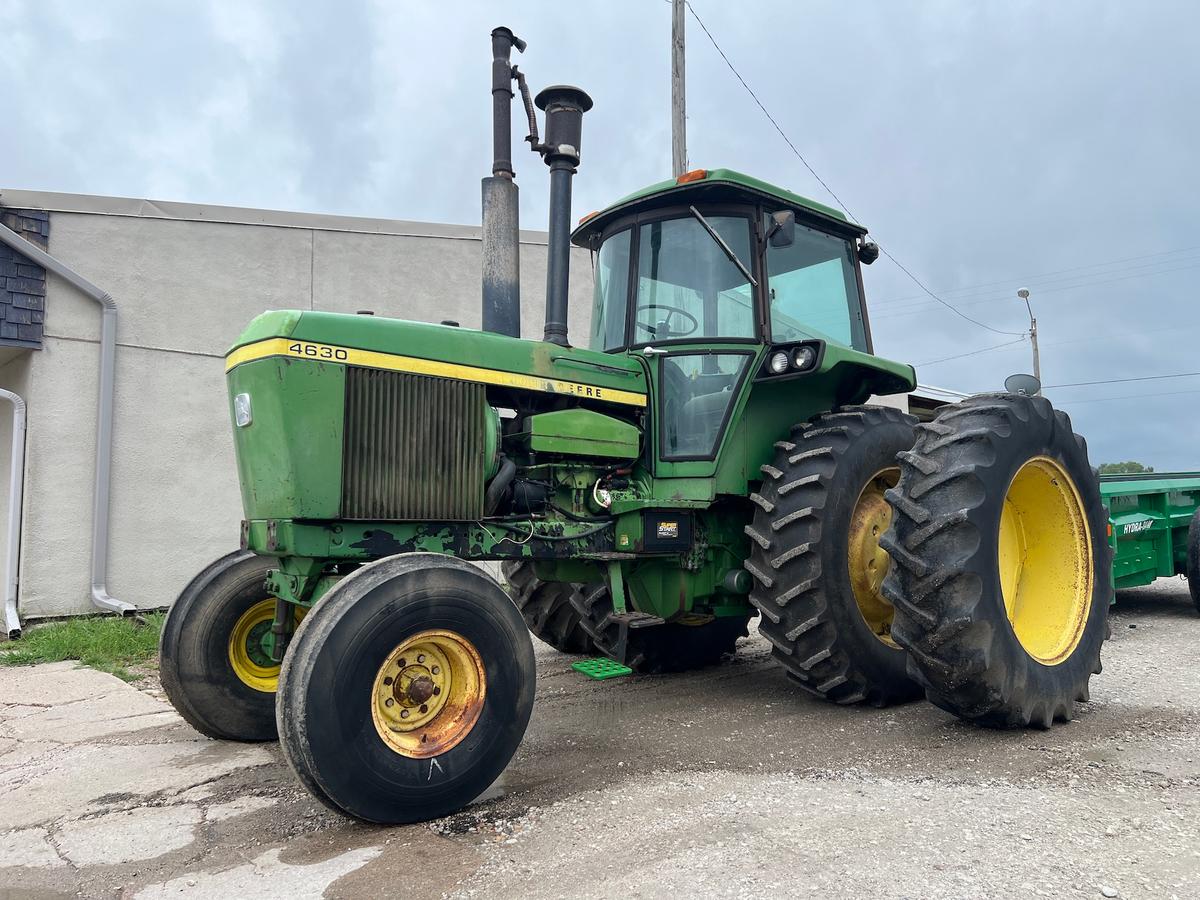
x: 442, y: 351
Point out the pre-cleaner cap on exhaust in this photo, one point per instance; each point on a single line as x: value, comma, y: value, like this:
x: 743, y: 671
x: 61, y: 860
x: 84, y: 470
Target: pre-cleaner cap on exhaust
x: 564, y: 107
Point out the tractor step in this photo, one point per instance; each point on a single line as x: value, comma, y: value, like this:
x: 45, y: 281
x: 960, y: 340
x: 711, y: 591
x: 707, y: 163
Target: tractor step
x: 601, y: 668
x: 637, y: 620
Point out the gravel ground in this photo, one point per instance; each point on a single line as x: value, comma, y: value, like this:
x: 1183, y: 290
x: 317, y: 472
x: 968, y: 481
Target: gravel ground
x: 726, y: 782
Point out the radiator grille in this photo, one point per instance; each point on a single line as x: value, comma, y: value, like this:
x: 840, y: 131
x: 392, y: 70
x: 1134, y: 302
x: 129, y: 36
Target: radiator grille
x: 414, y: 447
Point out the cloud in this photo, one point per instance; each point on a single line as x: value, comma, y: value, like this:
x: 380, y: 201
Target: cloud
x: 982, y: 144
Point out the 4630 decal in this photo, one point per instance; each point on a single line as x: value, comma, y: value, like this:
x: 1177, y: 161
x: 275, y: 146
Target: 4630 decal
x: 318, y: 351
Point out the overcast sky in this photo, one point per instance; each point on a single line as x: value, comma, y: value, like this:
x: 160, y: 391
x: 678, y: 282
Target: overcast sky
x: 988, y: 146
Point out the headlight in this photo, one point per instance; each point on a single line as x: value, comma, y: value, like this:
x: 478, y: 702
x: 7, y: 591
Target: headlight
x: 804, y: 358
x: 778, y: 363
x: 241, y: 410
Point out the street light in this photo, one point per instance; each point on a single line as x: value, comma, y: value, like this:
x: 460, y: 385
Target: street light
x: 1023, y: 294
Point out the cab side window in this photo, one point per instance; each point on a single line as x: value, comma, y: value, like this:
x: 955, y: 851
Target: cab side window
x: 813, y: 290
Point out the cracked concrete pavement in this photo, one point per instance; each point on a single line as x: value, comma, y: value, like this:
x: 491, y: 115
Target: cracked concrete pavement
x: 726, y: 782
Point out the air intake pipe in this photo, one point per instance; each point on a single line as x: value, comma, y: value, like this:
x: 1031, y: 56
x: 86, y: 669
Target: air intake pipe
x: 564, y: 107
x: 501, y: 223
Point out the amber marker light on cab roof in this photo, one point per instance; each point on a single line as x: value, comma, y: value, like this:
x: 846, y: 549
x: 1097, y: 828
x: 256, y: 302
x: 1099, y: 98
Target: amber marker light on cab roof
x: 590, y: 215
x: 694, y: 175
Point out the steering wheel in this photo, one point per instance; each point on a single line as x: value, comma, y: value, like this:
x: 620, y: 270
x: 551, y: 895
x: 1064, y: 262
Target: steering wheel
x: 665, y: 324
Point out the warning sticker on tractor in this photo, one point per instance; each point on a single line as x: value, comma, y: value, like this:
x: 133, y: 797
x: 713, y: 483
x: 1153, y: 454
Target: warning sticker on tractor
x: 668, y: 529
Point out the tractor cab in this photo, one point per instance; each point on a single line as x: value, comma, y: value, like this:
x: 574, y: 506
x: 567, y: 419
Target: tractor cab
x: 704, y: 276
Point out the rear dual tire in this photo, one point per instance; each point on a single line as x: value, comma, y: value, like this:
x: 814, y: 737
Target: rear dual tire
x: 546, y: 608
x: 815, y: 556
x: 1002, y: 573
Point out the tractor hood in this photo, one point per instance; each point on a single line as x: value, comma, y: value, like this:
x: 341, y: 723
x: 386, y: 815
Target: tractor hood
x: 441, y: 351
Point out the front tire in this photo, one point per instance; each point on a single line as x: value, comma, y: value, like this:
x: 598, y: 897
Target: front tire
x: 409, y: 692
x: 816, y: 560
x: 213, y: 661
x: 1002, y: 572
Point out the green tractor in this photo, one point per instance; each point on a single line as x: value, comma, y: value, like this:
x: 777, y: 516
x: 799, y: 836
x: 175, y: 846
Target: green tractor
x: 708, y: 458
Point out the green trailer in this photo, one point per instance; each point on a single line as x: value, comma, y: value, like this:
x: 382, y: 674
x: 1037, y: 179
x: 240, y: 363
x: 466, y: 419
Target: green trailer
x: 1154, y: 527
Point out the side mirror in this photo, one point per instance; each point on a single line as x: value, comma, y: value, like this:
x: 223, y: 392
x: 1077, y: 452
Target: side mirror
x: 868, y: 252
x: 782, y: 232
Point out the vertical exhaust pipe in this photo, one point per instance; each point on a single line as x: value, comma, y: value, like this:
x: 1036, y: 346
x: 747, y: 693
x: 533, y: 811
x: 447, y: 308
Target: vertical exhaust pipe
x: 501, y: 224
x: 564, y: 107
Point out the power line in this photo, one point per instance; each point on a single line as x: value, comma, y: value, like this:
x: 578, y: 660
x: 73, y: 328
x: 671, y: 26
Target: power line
x: 891, y: 312
x: 1122, y: 380
x: 821, y: 181
x: 1026, y: 279
x: 1058, y: 402
x: 770, y: 118
x: 934, y: 362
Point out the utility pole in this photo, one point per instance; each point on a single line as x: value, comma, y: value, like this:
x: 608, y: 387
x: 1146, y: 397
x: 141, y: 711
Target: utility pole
x: 678, y: 91
x: 1023, y: 293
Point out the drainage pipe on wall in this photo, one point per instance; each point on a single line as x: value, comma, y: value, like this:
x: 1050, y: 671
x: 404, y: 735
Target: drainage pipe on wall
x: 104, y: 417
x: 16, y: 484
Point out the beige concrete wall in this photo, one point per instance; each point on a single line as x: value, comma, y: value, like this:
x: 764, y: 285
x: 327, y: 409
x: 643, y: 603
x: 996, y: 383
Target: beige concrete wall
x: 184, y: 290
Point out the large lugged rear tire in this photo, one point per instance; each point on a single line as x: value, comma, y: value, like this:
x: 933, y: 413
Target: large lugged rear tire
x: 408, y: 690
x: 212, y: 662
x: 546, y: 608
x: 658, y: 649
x: 1002, y: 573
x: 816, y: 560
x: 1193, y: 559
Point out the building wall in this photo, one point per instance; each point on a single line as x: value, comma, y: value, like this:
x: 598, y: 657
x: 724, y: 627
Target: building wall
x: 186, y: 280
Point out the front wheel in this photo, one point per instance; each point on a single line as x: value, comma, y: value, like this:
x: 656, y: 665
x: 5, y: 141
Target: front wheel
x: 410, y: 692
x: 215, y: 651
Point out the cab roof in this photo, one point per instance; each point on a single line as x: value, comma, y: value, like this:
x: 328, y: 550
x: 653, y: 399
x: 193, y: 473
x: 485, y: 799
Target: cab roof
x: 715, y: 185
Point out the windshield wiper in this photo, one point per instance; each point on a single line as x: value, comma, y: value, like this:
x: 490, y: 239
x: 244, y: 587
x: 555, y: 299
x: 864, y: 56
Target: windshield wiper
x: 724, y: 246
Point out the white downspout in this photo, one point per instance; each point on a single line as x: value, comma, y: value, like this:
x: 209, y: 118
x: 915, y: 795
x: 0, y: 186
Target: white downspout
x: 108, y: 350
x: 16, y: 484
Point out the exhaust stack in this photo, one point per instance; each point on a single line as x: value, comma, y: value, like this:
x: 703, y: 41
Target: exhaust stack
x: 501, y: 223
x: 564, y: 107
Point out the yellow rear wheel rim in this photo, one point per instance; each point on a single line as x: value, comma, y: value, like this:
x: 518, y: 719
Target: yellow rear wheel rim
x: 428, y: 694
x: 249, y: 653
x: 867, y: 561
x: 1045, y: 561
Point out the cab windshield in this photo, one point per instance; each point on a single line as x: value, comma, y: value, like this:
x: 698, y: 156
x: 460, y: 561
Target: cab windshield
x: 686, y: 286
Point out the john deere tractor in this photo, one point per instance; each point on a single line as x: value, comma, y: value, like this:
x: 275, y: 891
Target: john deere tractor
x: 709, y: 456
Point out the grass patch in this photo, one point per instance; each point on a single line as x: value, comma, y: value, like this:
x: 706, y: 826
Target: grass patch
x: 108, y: 643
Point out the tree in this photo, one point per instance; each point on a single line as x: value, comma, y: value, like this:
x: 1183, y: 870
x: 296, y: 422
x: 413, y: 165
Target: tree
x: 1124, y: 468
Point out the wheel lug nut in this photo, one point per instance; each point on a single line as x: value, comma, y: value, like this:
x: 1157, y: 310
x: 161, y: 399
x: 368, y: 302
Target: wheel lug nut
x: 388, y: 702
x: 404, y: 713
x: 424, y: 708
x: 388, y: 680
x: 436, y: 691
x: 437, y: 670
x: 421, y: 658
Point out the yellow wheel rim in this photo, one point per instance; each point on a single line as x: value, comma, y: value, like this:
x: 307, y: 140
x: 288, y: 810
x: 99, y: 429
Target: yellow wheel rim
x: 1045, y: 560
x: 867, y: 561
x: 428, y: 694
x: 250, y: 643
